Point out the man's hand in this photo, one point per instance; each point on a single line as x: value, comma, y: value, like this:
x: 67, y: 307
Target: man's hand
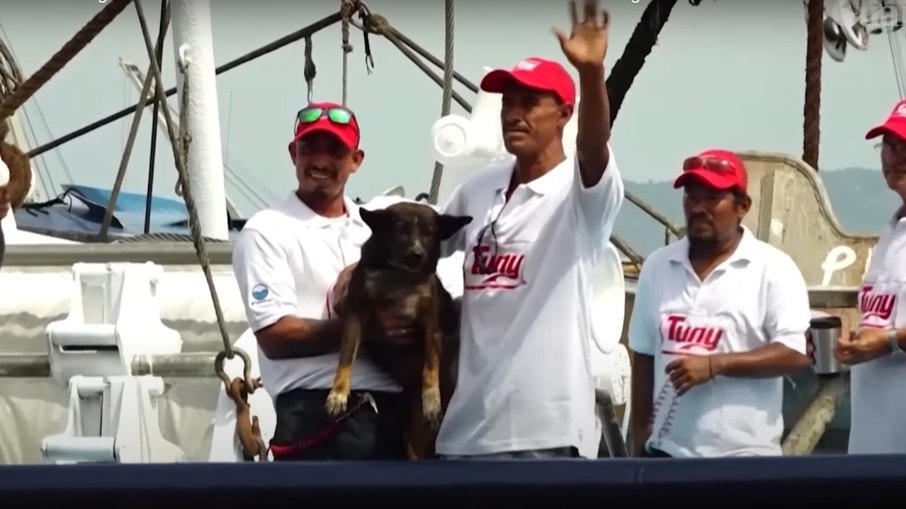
x: 687, y: 372
x: 340, y: 288
x: 586, y: 45
x: 863, y: 346
x: 810, y: 346
x: 4, y: 202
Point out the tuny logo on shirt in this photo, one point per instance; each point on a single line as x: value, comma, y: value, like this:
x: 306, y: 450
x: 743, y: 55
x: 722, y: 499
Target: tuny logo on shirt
x: 876, y: 308
x: 494, y: 270
x: 684, y: 337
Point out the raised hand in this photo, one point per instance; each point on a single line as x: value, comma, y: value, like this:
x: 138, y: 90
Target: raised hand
x: 586, y: 44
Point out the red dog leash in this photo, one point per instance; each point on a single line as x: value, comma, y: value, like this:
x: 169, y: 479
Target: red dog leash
x: 319, y: 436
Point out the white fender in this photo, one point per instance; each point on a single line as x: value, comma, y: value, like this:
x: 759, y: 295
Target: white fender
x: 610, y: 359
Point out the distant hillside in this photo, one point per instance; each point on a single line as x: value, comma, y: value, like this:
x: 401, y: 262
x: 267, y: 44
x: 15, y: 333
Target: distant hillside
x: 859, y: 197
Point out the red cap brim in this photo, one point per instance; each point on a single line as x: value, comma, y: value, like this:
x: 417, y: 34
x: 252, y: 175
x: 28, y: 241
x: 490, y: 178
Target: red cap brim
x: 708, y: 178
x: 497, y: 80
x: 895, y: 126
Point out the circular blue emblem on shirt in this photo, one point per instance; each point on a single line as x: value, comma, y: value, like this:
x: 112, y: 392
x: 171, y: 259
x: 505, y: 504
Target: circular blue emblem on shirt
x: 259, y: 292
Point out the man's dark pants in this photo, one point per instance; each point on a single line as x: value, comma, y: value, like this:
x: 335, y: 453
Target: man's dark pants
x: 366, y: 434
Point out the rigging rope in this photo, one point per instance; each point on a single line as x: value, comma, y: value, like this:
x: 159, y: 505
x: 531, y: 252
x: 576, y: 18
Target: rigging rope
x: 811, y: 127
x: 896, y: 56
x: 232, y: 64
x: 640, y: 44
x: 238, y: 388
x: 180, y: 144
x: 447, y: 92
x: 375, y: 23
x: 310, y: 70
x: 152, y: 153
x: 130, y: 140
x: 69, y: 50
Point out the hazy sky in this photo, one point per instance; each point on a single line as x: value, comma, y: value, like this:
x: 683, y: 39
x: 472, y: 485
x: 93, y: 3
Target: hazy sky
x: 727, y: 73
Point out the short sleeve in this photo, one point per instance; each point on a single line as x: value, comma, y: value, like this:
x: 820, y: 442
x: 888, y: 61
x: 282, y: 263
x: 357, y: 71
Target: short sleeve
x: 455, y: 206
x: 599, y: 204
x: 787, y: 309
x: 644, y: 334
x: 265, y: 280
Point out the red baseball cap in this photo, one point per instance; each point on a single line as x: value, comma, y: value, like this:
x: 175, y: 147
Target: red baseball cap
x: 719, y: 169
x: 348, y: 132
x: 895, y: 123
x: 536, y: 73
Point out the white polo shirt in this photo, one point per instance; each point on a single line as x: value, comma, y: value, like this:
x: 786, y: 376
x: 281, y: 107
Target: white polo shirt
x: 525, y: 379
x: 878, y: 392
x: 754, y: 298
x: 286, y: 260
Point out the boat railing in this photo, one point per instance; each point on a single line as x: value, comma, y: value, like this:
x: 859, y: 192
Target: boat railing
x: 198, y: 364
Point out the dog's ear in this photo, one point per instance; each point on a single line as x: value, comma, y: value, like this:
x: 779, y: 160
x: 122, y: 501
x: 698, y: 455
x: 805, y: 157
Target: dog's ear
x: 448, y: 225
x: 375, y: 219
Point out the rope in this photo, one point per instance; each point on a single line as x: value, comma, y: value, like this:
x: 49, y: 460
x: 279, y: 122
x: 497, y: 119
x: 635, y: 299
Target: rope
x: 811, y: 127
x: 378, y: 24
x: 130, y: 140
x: 180, y: 145
x: 640, y: 44
x: 69, y: 50
x: 447, y: 92
x: 422, y: 52
x: 155, y: 116
x: 310, y: 70
x: 896, y: 57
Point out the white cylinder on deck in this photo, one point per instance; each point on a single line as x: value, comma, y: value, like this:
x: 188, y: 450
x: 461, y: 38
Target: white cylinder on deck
x: 192, y: 28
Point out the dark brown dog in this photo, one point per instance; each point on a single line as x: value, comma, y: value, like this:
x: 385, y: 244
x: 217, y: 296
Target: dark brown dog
x: 397, y: 270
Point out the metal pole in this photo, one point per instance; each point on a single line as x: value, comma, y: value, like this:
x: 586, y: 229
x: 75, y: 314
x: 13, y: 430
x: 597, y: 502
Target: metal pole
x: 183, y: 365
x: 192, y: 40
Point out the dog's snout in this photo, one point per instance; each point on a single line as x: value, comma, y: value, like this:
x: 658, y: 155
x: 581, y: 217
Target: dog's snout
x: 414, y: 257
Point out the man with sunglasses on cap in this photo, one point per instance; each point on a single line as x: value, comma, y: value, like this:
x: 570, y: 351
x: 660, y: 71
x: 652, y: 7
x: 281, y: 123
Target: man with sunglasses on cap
x: 524, y: 387
x: 719, y: 318
x: 876, y: 350
x: 286, y: 260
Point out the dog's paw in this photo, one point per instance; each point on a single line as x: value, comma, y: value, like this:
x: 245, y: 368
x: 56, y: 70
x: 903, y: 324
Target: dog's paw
x: 336, y: 403
x: 431, y: 405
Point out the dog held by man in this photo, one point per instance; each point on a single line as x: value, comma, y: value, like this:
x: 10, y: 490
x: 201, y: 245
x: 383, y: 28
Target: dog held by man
x: 398, y: 269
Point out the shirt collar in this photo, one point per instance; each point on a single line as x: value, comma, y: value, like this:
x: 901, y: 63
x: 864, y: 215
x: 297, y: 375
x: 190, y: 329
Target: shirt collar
x: 311, y: 219
x: 540, y: 186
x: 742, y: 254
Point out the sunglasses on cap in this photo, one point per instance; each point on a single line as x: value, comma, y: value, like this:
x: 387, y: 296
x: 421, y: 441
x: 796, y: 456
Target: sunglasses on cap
x: 335, y: 114
x: 710, y: 163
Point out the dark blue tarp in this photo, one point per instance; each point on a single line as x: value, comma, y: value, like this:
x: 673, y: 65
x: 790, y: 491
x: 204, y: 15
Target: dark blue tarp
x: 854, y: 481
x: 80, y: 210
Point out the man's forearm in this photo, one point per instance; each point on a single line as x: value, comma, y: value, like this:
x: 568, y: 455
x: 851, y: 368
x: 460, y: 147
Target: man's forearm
x: 293, y: 337
x: 765, y: 362
x: 593, y: 125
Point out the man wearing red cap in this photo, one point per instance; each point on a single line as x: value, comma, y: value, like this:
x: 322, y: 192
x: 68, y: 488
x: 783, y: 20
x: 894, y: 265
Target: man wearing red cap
x: 876, y: 349
x: 525, y: 387
x: 719, y: 318
x: 286, y: 260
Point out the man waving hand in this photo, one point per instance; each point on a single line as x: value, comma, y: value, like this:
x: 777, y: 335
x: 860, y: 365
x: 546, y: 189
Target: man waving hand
x: 540, y: 226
